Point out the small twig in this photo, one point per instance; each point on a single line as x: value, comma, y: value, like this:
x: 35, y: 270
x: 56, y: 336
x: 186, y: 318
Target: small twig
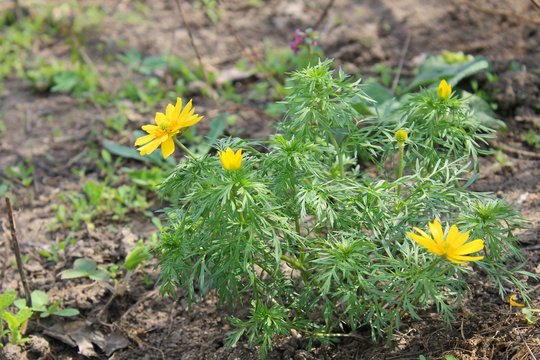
x: 324, y: 14
x: 536, y: 3
x: 170, y: 321
x: 527, y: 346
x: 4, y: 267
x: 17, y: 252
x: 191, y: 39
x: 498, y: 12
x: 512, y: 150
x: 88, y: 61
x: 401, y: 62
x: 253, y: 55
x: 146, y: 296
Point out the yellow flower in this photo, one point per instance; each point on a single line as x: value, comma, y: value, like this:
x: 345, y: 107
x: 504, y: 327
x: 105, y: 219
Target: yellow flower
x: 513, y: 302
x: 401, y: 136
x: 231, y: 160
x: 168, y: 125
x: 445, y: 90
x: 453, y: 248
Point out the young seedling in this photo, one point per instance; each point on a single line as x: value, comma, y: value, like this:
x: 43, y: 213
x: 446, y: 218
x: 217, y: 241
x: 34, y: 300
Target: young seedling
x: 16, y: 322
x: 40, y: 304
x: 85, y: 268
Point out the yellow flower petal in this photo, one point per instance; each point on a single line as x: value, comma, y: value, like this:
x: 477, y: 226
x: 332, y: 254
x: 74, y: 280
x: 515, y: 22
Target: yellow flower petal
x: 160, y: 118
x: 169, y: 111
x: 231, y: 160
x: 168, y: 125
x: 454, y: 247
x: 187, y: 109
x: 513, y: 301
x: 436, y: 231
x: 471, y: 247
x: 191, y: 121
x: 144, y: 139
x: 150, y: 147
x: 421, y: 232
x: 426, y: 242
x: 167, y: 147
x: 150, y: 128
x: 455, y: 237
x: 444, y: 90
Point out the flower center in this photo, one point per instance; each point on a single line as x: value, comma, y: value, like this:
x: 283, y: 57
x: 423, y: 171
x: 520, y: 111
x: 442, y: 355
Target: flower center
x: 164, y: 125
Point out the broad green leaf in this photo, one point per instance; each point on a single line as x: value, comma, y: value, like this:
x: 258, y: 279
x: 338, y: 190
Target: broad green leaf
x: 7, y: 299
x: 435, y: 68
x: 67, y: 312
x: 84, y: 264
x: 100, y: 275
x: 40, y: 299
x: 73, y: 274
x: 130, y: 152
x: 85, y: 268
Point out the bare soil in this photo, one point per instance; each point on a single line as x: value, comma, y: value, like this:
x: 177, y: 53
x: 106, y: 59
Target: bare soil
x: 358, y: 34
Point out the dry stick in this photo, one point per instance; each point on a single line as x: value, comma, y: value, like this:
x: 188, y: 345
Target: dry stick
x: 191, y: 40
x: 499, y: 12
x: 17, y: 6
x: 17, y: 252
x: 4, y: 267
x: 536, y: 3
x: 512, y: 150
x: 88, y: 61
x: 324, y: 14
x: 401, y: 62
x: 254, y: 57
x: 527, y: 346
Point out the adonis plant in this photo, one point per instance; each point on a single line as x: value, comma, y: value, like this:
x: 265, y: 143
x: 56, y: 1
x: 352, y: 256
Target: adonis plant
x: 339, y: 221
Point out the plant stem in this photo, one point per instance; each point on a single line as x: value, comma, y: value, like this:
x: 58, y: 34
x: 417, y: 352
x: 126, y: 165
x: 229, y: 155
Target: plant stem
x: 296, y: 264
x: 186, y: 150
x: 400, y: 167
x: 339, y: 153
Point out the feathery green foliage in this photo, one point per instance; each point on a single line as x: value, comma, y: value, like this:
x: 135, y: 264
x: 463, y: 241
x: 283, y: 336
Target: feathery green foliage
x: 313, y: 242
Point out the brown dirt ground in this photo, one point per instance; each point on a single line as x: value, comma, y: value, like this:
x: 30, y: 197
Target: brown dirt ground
x: 358, y: 34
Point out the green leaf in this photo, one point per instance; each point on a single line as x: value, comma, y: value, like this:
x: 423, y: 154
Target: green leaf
x: 100, y: 275
x: 137, y: 256
x: 65, y: 82
x: 85, y: 268
x: 73, y: 274
x: 7, y: 299
x: 434, y: 68
x: 86, y: 265
x: 482, y: 110
x: 40, y: 299
x: 106, y: 156
x: 153, y: 63
x: 129, y: 152
x: 68, y: 312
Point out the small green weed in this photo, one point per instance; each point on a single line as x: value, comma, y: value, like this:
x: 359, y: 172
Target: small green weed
x: 40, y: 304
x: 15, y: 321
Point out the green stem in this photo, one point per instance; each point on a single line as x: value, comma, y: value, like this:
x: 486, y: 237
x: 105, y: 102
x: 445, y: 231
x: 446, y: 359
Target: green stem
x: 297, y: 265
x: 294, y: 263
x: 400, y: 167
x: 186, y: 150
x: 339, y: 154
x: 297, y: 225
